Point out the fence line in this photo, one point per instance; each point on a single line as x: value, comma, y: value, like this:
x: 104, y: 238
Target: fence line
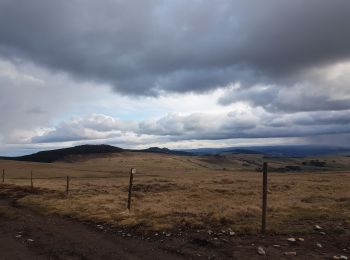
x: 264, y: 199
x: 133, y: 171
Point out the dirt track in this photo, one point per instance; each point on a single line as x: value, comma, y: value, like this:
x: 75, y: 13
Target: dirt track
x: 26, y: 234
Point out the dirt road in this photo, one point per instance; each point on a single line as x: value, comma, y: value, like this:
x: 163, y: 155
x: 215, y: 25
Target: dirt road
x: 27, y: 234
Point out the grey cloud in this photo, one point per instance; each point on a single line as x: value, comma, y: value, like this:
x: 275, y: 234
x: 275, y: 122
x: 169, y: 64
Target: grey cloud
x: 197, y: 125
x: 340, y: 118
x: 296, y: 98
x: 35, y: 110
x: 146, y: 47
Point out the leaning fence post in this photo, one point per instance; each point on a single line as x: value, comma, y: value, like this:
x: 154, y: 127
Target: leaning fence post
x: 31, y: 179
x: 132, y: 172
x: 264, y: 199
x: 67, y: 186
x: 3, y: 175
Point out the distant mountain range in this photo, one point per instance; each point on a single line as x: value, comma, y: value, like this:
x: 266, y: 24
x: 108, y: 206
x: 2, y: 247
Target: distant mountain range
x: 278, y: 150
x: 281, y: 151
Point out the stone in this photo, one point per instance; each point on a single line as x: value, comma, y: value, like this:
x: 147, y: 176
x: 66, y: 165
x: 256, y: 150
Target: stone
x: 100, y: 227
x: 210, y: 232
x: 261, y: 250
x: 292, y: 239
x: 323, y: 233
x: 232, y: 233
x: 319, y: 245
x: 301, y: 239
x: 317, y: 227
x: 30, y: 240
x: 277, y: 246
x: 343, y: 257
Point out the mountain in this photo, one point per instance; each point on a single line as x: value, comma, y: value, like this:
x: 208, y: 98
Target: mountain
x: 58, y: 154
x: 277, y: 150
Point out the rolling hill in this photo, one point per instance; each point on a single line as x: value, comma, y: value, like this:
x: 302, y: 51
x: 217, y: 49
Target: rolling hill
x: 59, y: 154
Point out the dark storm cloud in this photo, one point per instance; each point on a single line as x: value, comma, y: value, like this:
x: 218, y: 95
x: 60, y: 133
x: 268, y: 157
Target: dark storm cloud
x: 148, y: 47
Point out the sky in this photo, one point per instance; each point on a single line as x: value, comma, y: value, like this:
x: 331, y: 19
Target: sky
x: 177, y: 74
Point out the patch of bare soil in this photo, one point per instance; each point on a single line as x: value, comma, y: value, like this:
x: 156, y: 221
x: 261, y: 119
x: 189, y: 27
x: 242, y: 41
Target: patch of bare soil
x: 27, y: 234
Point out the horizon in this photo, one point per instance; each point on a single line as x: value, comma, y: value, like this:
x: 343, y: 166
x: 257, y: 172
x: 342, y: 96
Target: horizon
x: 194, y: 150
x: 175, y: 74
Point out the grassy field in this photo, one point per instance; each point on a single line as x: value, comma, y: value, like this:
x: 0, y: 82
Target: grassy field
x: 215, y: 192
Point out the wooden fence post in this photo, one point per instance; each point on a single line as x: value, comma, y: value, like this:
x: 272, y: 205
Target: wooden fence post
x: 3, y: 175
x: 31, y: 179
x: 264, y: 199
x: 67, y: 186
x: 132, y: 171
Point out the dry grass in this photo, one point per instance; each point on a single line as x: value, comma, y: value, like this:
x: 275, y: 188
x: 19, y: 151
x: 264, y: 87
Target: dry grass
x: 174, y: 192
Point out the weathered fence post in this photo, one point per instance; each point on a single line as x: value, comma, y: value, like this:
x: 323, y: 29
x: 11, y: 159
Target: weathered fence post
x: 3, y: 175
x: 264, y: 199
x: 132, y: 172
x: 67, y: 186
x: 31, y: 179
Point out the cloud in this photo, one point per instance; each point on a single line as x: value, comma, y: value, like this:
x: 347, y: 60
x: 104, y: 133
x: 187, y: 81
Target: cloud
x: 94, y: 127
x: 251, y: 123
x: 199, y: 125
x: 294, y: 99
x: 323, y: 88
x: 150, y: 47
x: 31, y: 100
x: 18, y: 90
